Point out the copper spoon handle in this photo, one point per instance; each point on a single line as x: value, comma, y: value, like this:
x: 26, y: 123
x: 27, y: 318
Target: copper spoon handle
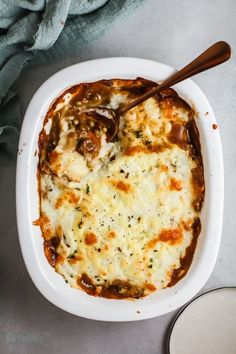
x: 217, y: 54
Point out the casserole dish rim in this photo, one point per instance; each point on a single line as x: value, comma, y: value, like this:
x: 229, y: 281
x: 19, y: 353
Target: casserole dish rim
x: 51, y: 284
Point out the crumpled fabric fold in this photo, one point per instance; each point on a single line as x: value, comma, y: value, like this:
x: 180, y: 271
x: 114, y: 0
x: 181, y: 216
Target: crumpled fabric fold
x: 34, y: 32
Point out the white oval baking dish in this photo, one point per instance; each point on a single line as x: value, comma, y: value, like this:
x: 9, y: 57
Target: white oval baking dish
x: 51, y: 284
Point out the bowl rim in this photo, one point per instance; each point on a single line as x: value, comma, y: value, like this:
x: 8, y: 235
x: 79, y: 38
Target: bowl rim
x: 185, y: 307
x: 41, y: 275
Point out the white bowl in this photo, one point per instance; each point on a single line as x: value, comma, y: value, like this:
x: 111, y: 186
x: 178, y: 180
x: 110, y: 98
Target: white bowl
x: 51, y: 284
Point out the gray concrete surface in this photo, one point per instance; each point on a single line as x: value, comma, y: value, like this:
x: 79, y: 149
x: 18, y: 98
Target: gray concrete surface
x: 173, y: 32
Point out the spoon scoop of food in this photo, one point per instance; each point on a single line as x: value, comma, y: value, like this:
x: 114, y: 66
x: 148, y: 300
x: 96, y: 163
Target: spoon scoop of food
x: 217, y: 54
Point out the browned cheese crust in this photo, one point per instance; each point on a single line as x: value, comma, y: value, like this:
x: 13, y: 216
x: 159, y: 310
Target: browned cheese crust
x: 85, y: 139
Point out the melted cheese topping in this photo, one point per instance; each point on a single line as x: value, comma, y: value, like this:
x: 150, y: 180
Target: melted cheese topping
x: 120, y: 224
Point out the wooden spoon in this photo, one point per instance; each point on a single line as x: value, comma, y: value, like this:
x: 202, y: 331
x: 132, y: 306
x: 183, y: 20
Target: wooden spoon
x: 217, y: 54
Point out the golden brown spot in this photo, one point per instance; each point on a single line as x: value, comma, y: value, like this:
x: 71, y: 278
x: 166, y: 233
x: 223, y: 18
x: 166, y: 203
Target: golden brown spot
x: 60, y: 259
x: 37, y: 222
x: 135, y: 149
x: 150, y: 287
x: 172, y: 236
x: 152, y: 243
x: 111, y: 234
x: 124, y: 187
x: 73, y: 260
x: 175, y: 185
x: 164, y: 168
x: 68, y: 196
x: 90, y: 238
x: 59, y: 202
x: 158, y: 148
x: 214, y: 126
x: 42, y: 220
x: 54, y: 155
x: 168, y: 108
x: 59, y: 231
x: 73, y: 198
x: 168, y: 112
x: 45, y: 225
x: 76, y: 258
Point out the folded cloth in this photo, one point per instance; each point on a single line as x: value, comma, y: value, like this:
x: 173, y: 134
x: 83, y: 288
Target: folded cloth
x: 34, y: 32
